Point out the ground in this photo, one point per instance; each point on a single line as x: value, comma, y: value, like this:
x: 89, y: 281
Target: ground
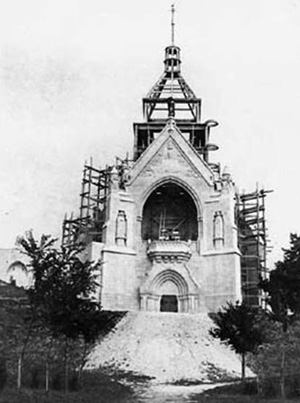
x: 168, y: 348
x: 142, y: 393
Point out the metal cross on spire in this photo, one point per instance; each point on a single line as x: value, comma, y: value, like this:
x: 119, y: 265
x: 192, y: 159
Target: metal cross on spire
x: 173, y: 24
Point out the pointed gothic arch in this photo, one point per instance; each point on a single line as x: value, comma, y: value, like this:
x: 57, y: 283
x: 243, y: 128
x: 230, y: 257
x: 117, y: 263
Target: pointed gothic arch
x: 170, y: 179
x: 170, y: 213
x: 168, y: 278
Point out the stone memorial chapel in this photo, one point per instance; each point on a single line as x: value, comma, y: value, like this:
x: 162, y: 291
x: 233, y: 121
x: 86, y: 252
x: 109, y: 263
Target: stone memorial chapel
x: 166, y: 228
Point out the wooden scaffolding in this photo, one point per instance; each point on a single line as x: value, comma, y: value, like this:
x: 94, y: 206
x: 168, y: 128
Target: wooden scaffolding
x: 92, y: 215
x: 172, y: 98
x: 253, y: 244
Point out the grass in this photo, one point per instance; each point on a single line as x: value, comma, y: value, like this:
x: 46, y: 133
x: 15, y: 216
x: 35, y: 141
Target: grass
x: 83, y: 396
x: 98, y: 388
x: 237, y: 392
x: 101, y: 388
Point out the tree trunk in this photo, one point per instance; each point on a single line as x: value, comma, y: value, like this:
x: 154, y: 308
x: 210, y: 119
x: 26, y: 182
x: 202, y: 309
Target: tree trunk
x: 282, y: 374
x: 47, y: 377
x: 258, y: 386
x: 66, y: 376
x: 83, y: 361
x: 66, y: 367
x: 19, y: 381
x: 22, y: 354
x: 243, y: 366
x: 48, y: 359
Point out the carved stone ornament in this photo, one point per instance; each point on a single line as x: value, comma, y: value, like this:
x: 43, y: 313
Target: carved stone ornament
x: 169, y: 251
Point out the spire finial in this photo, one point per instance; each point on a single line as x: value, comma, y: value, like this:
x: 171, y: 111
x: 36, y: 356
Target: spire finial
x: 173, y: 24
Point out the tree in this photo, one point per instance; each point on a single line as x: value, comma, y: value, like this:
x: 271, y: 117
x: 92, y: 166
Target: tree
x: 61, y: 295
x: 283, y: 285
x: 283, y: 295
x: 62, y: 289
x: 240, y: 325
x: 267, y: 361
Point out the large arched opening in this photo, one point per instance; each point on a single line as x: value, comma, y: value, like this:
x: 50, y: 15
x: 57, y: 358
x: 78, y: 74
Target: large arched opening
x: 170, y: 213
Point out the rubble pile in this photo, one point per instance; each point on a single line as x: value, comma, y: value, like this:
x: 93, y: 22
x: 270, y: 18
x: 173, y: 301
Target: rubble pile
x: 168, y: 347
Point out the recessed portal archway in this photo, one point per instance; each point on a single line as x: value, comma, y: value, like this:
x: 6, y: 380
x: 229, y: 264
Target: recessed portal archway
x: 170, y: 214
x: 170, y: 291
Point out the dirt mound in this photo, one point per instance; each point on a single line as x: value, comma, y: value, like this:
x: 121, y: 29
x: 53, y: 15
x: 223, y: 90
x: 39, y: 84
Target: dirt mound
x: 169, y: 347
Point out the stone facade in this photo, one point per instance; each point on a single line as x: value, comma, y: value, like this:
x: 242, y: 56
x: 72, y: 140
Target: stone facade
x: 202, y: 272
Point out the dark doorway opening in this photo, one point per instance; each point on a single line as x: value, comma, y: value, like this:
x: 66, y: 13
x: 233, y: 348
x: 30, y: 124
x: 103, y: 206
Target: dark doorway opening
x: 169, y: 303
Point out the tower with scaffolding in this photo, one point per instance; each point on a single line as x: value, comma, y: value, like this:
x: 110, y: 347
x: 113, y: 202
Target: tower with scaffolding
x: 253, y: 244
x: 167, y: 228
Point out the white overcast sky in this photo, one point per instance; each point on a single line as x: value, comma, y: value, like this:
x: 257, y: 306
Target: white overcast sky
x: 73, y: 72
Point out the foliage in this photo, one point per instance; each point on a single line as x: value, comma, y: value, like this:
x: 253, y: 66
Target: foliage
x: 283, y: 297
x: 267, y: 362
x: 283, y: 285
x: 241, y: 326
x: 63, y: 318
x: 42, y: 349
x: 63, y: 285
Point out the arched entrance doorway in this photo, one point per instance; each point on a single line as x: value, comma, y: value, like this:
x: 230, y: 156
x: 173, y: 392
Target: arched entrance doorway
x: 170, y: 214
x: 170, y: 291
x: 168, y: 303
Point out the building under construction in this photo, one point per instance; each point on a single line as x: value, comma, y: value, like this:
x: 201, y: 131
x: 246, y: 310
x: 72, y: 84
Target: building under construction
x: 167, y: 228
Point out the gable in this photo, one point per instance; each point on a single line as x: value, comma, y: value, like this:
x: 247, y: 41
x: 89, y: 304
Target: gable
x: 171, y: 154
